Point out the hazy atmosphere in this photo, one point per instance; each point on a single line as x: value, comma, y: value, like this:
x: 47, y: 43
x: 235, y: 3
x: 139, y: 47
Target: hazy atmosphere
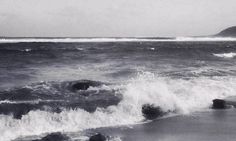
x: 106, y: 18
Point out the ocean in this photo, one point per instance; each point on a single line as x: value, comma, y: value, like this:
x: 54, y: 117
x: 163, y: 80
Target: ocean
x: 182, y: 76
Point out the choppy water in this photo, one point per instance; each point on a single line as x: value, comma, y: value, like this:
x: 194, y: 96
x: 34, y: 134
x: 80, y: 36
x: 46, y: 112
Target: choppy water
x: 36, y: 79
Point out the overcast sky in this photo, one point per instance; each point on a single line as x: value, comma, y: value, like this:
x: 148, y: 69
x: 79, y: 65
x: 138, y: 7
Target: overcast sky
x: 105, y: 18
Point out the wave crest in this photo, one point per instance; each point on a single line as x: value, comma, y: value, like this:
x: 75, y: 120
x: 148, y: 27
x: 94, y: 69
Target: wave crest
x: 225, y: 55
x: 137, y: 39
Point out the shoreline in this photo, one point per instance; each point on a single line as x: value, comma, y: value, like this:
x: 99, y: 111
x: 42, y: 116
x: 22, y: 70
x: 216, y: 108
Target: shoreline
x: 214, y: 125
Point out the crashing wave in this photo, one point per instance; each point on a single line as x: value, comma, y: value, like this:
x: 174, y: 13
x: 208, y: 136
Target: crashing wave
x: 179, y: 95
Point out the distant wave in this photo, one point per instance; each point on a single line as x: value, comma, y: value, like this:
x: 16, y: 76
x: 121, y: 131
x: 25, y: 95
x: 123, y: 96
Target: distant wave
x: 27, y: 50
x: 68, y: 40
x: 55, y: 40
x: 225, y: 55
x: 199, y: 39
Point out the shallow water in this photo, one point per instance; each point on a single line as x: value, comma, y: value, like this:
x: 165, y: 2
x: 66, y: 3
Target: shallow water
x: 214, y: 125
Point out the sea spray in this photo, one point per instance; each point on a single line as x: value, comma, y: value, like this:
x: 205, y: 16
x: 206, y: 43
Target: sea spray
x: 180, y: 95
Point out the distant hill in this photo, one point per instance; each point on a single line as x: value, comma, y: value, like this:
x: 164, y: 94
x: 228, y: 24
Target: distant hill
x: 229, y: 32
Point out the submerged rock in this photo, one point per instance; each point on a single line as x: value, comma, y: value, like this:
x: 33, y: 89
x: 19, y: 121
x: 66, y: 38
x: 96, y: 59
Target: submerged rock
x: 97, y: 137
x: 151, y: 112
x: 84, y: 84
x: 219, y: 104
x: 54, y: 137
x: 56, y: 97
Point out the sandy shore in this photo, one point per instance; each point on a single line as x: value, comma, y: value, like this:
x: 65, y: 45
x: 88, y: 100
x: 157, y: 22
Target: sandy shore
x: 214, y: 125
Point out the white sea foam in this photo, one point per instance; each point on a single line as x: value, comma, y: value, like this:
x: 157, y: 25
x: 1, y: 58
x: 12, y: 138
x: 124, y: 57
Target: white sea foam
x: 29, y: 102
x: 24, y: 50
x: 225, y: 55
x: 181, y: 39
x: 27, y: 50
x: 199, y: 39
x: 182, y: 96
x: 82, y: 40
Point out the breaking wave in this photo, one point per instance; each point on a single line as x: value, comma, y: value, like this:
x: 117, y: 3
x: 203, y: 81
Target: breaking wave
x: 199, y: 39
x: 138, y: 39
x: 226, y: 55
x: 183, y: 96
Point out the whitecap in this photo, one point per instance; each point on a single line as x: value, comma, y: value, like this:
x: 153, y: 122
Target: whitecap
x: 69, y: 40
x: 225, y: 55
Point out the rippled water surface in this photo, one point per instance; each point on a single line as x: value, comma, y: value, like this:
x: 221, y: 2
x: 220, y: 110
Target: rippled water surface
x: 37, y: 82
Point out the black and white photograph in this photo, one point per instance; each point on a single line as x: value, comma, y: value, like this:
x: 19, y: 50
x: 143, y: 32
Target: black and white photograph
x: 117, y: 70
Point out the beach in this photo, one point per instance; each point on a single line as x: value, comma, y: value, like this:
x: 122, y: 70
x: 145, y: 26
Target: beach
x: 212, y: 125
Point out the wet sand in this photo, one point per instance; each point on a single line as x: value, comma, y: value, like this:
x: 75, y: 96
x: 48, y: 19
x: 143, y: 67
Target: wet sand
x: 213, y: 125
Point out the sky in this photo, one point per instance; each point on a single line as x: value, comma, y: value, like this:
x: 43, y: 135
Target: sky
x: 115, y: 18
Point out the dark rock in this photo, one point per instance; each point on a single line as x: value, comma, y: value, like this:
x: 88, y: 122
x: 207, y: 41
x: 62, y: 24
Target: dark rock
x: 97, y: 137
x: 54, y: 137
x: 20, y: 111
x: 151, y: 112
x: 84, y: 84
x: 219, y: 104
